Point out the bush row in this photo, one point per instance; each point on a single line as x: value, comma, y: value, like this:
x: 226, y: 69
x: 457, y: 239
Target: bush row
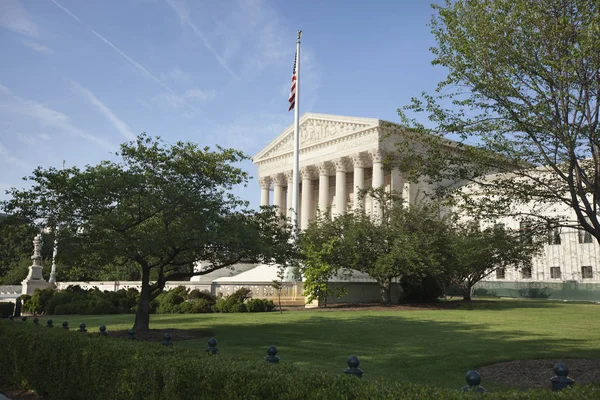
x: 76, y: 300
x: 6, y: 308
x: 66, y: 365
x: 181, y: 301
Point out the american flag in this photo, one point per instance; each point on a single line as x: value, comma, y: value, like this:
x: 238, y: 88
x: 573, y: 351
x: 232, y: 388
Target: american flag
x: 292, y: 99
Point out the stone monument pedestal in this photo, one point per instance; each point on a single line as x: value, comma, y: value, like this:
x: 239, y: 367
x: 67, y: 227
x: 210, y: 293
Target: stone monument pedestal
x: 34, y: 279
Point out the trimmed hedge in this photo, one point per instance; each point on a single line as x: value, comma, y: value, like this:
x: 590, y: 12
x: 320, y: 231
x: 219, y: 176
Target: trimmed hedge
x: 6, y: 308
x: 64, y: 365
x: 76, y: 300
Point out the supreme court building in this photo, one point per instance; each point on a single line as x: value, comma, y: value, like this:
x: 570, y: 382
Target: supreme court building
x: 339, y: 155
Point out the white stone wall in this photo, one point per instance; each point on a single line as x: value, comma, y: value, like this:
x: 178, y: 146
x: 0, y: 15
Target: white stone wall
x: 569, y: 255
x: 10, y: 292
x: 118, y: 285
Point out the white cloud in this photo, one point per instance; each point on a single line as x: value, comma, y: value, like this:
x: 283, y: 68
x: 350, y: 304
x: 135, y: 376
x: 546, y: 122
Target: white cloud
x: 47, y: 117
x: 166, y: 101
x: 200, y: 94
x: 180, y: 7
x: 14, y: 18
x: 122, y: 54
x: 179, y: 76
x: 104, y: 110
x: 5, y: 91
x: 34, y: 139
x: 6, y: 157
x: 253, y: 27
x: 40, y: 48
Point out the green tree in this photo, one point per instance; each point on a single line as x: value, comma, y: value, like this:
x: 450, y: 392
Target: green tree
x: 476, y: 253
x: 403, y: 240
x: 323, y: 256
x: 523, y: 90
x: 162, y: 207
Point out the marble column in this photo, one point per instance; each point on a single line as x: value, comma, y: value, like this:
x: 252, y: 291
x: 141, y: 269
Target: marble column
x: 289, y: 194
x: 307, y: 193
x: 378, y: 182
x: 340, y: 186
x: 278, y: 199
x: 397, y: 184
x: 265, y: 185
x: 358, y: 161
x: 324, y: 170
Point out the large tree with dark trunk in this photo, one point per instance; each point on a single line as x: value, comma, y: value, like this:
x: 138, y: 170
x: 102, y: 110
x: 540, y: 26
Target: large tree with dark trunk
x: 523, y: 90
x: 162, y: 207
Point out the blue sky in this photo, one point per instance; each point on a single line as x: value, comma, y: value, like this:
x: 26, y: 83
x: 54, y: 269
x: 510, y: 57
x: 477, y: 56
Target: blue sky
x: 77, y: 78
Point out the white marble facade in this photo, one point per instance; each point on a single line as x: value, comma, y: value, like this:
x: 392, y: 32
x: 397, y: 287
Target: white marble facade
x: 340, y: 154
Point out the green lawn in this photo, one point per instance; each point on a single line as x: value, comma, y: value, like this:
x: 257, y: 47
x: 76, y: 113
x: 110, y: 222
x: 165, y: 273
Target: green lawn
x: 425, y: 346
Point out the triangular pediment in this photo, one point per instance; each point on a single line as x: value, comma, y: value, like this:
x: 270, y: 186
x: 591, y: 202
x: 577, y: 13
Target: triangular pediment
x: 315, y: 129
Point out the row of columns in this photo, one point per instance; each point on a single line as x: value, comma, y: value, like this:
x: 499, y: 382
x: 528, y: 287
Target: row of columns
x: 342, y: 165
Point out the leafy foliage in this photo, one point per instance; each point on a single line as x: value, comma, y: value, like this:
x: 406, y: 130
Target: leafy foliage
x: 179, y: 301
x: 16, y: 237
x: 404, y: 241
x: 522, y: 91
x: 476, y: 253
x: 321, y: 249
x: 161, y: 208
x: 241, y: 301
x: 76, y: 300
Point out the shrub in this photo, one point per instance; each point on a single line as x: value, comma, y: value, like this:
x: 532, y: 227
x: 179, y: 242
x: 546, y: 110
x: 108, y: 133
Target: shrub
x: 205, y: 295
x: 168, y: 301
x: 240, y: 295
x: 69, y: 364
x: 229, y: 305
x: 76, y: 300
x: 38, y: 303
x: 241, y: 301
x: 260, y: 305
x: 6, y: 308
x: 201, y: 306
x: 424, y: 289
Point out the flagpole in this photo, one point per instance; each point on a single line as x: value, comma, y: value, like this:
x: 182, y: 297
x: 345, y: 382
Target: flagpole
x: 296, y: 141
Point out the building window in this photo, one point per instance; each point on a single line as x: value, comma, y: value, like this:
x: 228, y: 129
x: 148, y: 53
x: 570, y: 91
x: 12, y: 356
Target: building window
x: 526, y: 231
x: 500, y: 273
x: 585, y: 237
x: 553, y: 233
x: 526, y: 273
x: 555, y: 272
x: 586, y: 272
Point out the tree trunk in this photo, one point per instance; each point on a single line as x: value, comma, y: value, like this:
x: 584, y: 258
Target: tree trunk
x: 280, y: 310
x: 386, y: 293
x: 142, y: 316
x: 467, y: 293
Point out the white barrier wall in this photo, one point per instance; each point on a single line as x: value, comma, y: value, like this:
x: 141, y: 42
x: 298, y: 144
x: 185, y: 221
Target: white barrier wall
x: 10, y: 292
